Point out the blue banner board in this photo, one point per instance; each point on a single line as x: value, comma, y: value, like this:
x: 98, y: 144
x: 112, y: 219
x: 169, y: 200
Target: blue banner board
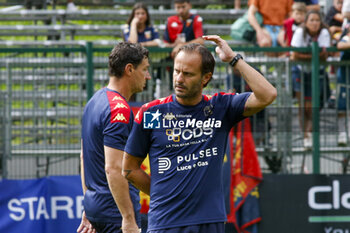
x: 51, y: 204
x: 288, y: 204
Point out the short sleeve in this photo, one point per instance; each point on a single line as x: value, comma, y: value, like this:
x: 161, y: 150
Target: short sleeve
x: 155, y: 33
x: 115, y: 135
x: 346, y: 7
x: 324, y: 39
x: 118, y: 122
x: 297, y: 39
x: 236, y: 104
x: 198, y: 26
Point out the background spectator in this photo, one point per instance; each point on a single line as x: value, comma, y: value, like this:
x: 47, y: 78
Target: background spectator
x: 273, y: 13
x: 184, y: 27
x: 343, y: 82
x: 292, y: 23
x: 139, y: 29
x: 313, y: 30
x: 334, y: 19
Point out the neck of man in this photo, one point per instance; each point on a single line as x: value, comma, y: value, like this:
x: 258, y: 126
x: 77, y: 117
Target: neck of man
x: 120, y: 85
x: 189, y: 101
x: 185, y: 17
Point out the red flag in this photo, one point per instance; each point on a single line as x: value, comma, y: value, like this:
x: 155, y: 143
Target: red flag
x: 245, y: 177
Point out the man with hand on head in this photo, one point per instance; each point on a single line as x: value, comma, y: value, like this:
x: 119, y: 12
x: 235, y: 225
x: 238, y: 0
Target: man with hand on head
x: 185, y: 135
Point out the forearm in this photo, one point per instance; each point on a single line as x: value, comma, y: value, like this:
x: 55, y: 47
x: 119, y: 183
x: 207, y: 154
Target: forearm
x: 139, y: 178
x: 82, y: 174
x: 133, y: 34
x: 301, y: 56
x: 263, y: 91
x: 151, y: 43
x: 252, y: 19
x: 343, y: 45
x: 134, y: 174
x: 119, y: 188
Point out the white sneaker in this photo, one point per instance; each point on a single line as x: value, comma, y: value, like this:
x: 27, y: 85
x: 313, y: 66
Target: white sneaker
x: 308, y: 142
x: 71, y: 7
x: 342, y: 140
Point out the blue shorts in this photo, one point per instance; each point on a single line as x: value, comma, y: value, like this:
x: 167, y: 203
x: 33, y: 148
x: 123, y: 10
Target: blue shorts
x: 273, y: 30
x: 201, y: 228
x: 106, y: 227
x: 343, y: 89
x: 298, y: 76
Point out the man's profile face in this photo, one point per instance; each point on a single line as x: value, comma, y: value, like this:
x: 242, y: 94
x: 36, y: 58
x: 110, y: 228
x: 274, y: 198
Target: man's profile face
x: 183, y: 10
x: 140, y: 76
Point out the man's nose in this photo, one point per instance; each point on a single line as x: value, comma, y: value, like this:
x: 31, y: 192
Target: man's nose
x: 148, y: 76
x: 179, y: 78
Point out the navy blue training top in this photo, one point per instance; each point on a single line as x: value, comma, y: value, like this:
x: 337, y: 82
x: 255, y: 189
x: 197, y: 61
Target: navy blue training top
x: 107, y: 121
x: 186, y: 146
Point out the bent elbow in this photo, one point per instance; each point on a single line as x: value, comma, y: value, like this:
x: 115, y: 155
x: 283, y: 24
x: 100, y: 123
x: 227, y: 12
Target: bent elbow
x: 112, y: 171
x: 273, y: 95
x: 124, y: 174
x: 270, y: 97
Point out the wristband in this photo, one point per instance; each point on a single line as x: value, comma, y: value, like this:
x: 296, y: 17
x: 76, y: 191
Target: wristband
x: 235, y: 59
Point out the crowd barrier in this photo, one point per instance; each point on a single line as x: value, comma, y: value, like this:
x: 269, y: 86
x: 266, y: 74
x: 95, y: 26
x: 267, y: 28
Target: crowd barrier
x: 44, y: 90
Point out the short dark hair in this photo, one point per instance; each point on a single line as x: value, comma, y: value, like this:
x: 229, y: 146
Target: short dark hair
x: 137, y: 6
x: 181, y: 1
x: 124, y: 53
x: 208, y: 61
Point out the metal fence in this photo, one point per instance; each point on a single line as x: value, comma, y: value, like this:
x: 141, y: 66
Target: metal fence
x: 44, y: 90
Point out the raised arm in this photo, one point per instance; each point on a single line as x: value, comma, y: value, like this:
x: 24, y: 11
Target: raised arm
x: 119, y: 188
x: 263, y: 92
x: 133, y: 172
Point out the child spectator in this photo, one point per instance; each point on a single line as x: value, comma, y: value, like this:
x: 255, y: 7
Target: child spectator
x: 334, y: 19
x: 312, y: 31
x: 139, y: 29
x: 292, y: 23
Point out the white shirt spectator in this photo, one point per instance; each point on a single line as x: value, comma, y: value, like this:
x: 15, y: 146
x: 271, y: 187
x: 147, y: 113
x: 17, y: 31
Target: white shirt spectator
x: 298, y: 40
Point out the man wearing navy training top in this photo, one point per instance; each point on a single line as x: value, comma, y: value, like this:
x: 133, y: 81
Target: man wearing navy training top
x: 109, y: 206
x: 185, y: 135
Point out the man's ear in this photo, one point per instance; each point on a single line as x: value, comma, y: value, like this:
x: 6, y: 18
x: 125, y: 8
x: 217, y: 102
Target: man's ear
x: 129, y: 68
x: 206, y: 79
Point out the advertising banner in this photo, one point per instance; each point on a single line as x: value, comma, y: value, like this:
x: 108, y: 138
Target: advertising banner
x: 305, y: 203
x: 52, y: 204
x: 288, y: 204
